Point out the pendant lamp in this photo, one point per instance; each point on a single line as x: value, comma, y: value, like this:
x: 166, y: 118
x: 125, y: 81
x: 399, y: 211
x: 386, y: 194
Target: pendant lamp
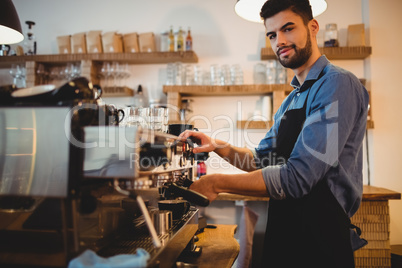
x: 10, y: 26
x: 250, y: 9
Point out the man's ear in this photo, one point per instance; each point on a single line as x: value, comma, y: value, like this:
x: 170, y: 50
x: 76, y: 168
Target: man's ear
x: 314, y: 27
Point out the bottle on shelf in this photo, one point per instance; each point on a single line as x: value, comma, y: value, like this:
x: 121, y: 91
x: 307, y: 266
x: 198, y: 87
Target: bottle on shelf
x: 189, y: 40
x: 30, y: 41
x: 171, y: 39
x: 180, y: 40
x: 139, y: 98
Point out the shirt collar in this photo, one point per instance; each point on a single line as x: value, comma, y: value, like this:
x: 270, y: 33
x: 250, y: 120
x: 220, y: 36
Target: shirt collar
x: 312, y: 75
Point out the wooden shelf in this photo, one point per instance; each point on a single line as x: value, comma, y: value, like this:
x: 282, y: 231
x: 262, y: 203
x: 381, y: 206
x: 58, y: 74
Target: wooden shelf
x: 226, y: 90
x: 131, y: 58
x: 117, y: 92
x: 332, y: 53
x: 247, y: 124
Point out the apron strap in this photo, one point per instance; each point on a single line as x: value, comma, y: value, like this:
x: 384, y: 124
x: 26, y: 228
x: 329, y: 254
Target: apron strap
x: 358, y: 230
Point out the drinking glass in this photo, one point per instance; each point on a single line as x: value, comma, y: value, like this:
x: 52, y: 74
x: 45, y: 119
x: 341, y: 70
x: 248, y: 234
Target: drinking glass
x: 144, y: 119
x: 179, y: 74
x: 16, y: 73
x: 198, y: 75
x: 68, y: 71
x: 170, y: 79
x: 236, y: 73
x: 53, y: 74
x: 133, y: 118
x: 272, y: 73
x: 225, y: 75
x: 124, y: 74
x: 271, y: 76
x: 156, y: 118
x: 106, y: 73
x: 165, y: 122
x: 189, y: 75
x: 75, y: 70
x: 260, y: 75
x: 114, y: 72
x: 206, y: 78
x: 281, y: 75
x: 23, y: 76
x: 42, y: 74
x: 215, y: 72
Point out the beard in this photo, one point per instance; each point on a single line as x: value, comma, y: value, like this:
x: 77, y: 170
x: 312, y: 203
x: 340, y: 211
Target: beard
x: 301, y: 55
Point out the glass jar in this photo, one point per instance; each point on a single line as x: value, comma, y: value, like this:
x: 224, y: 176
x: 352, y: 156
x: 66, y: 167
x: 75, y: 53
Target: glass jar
x: 260, y: 75
x: 165, y: 42
x: 331, y: 35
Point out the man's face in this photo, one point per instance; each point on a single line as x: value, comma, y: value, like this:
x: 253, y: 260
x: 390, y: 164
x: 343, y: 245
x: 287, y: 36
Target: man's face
x: 290, y: 39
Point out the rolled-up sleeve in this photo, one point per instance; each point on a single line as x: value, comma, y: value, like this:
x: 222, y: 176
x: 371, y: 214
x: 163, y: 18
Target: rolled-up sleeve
x: 272, y: 179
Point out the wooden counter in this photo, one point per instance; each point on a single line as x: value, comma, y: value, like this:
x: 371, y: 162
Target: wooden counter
x: 369, y: 193
x: 372, y: 218
x: 219, y: 248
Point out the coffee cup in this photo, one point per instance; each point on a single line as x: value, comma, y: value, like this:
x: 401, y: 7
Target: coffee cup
x: 177, y: 207
x: 116, y: 115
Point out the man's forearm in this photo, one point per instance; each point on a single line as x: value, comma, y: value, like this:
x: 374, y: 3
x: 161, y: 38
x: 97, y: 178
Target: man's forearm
x: 241, y: 158
x: 251, y: 184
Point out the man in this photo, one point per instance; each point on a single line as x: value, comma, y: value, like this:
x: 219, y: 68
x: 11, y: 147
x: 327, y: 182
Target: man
x: 310, y: 161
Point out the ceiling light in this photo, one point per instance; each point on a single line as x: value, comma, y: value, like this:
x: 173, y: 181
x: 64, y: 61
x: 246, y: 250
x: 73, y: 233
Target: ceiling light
x: 10, y: 26
x: 250, y: 9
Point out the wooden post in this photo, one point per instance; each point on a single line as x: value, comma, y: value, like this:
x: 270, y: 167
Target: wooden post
x: 87, y: 70
x: 30, y: 75
x: 173, y: 102
x: 278, y: 97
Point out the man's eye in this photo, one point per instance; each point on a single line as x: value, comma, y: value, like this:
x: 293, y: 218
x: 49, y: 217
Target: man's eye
x: 271, y: 36
x: 288, y: 29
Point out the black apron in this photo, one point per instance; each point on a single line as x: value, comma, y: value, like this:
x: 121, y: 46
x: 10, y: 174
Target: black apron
x: 312, y: 231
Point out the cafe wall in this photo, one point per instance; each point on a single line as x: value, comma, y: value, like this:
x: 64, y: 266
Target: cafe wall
x: 221, y: 37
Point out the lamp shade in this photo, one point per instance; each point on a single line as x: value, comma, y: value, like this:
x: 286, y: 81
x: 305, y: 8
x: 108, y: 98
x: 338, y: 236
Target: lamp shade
x: 10, y: 26
x: 250, y: 9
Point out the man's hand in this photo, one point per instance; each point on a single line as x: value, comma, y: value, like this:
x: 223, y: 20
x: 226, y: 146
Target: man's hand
x: 250, y: 183
x: 206, y: 143
x: 205, y: 186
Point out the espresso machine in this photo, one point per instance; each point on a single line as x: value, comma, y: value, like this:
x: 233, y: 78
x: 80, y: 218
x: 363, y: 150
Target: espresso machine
x: 72, y: 180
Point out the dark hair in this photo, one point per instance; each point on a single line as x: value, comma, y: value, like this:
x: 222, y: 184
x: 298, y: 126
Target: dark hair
x: 300, y: 7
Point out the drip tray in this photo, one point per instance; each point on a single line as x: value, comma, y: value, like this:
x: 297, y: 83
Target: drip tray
x: 173, y: 243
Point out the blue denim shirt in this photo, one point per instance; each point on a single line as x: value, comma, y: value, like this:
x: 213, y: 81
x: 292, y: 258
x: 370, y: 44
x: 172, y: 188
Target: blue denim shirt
x: 330, y: 145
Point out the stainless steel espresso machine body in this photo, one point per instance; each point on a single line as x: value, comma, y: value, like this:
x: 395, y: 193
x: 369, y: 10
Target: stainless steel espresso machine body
x: 71, y: 182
